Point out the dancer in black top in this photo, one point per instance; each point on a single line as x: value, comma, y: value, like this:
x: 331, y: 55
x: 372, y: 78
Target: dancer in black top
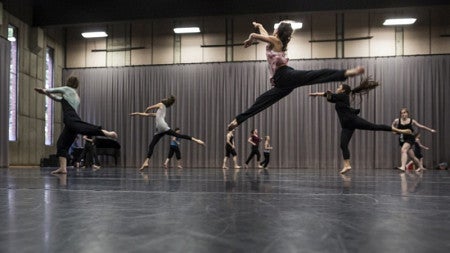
x: 348, y: 117
x: 230, y: 150
x: 284, y: 78
x: 73, y: 125
x: 254, y: 140
x: 407, y: 140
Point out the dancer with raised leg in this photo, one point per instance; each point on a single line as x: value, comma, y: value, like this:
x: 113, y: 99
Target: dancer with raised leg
x: 348, y: 116
x: 284, y: 78
x: 162, y: 128
x: 73, y: 125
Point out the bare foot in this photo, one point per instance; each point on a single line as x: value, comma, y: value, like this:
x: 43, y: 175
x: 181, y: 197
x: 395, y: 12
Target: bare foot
x: 144, y: 165
x: 224, y: 167
x: 401, y: 169
x: 165, y: 166
x: 198, y: 141
x: 110, y: 134
x: 237, y: 167
x: 232, y: 125
x: 95, y: 167
x: 405, y: 131
x: 345, y: 170
x: 354, y: 72
x: 59, y: 171
x: 179, y: 167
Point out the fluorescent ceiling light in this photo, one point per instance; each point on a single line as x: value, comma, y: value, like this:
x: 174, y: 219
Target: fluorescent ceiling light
x: 399, y: 21
x: 295, y: 25
x: 94, y: 35
x: 186, y: 30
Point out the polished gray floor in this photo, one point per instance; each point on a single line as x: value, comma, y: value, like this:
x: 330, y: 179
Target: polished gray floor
x: 210, y: 210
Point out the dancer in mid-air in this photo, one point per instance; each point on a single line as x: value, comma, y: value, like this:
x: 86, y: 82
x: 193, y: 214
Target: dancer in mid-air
x: 162, y: 128
x: 348, y: 116
x: 284, y: 78
x: 73, y: 125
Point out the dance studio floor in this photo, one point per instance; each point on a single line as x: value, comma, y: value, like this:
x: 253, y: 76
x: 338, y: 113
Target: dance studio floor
x: 206, y: 210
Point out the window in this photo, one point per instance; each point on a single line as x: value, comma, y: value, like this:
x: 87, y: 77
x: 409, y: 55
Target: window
x: 49, y: 63
x: 12, y: 37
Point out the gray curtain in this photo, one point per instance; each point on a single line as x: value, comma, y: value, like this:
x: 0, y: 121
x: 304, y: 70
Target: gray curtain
x: 4, y: 98
x: 304, y: 131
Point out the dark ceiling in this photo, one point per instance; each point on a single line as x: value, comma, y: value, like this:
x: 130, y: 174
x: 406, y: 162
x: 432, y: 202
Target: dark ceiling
x: 67, y: 12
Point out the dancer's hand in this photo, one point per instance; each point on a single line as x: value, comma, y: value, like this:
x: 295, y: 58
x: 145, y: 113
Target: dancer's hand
x: 248, y: 42
x: 40, y: 90
x: 256, y: 25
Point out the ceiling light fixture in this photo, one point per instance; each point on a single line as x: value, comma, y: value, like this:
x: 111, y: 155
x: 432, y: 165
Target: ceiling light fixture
x: 399, y: 21
x: 89, y: 35
x: 295, y: 25
x: 186, y: 30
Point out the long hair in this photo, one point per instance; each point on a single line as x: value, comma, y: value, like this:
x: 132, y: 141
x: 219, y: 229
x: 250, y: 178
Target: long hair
x: 363, y: 88
x: 284, y: 33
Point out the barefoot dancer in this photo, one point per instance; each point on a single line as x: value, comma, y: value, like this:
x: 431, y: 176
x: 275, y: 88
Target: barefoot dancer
x: 230, y: 150
x: 407, y: 140
x: 162, y: 128
x: 73, y: 125
x: 284, y: 78
x: 349, y: 119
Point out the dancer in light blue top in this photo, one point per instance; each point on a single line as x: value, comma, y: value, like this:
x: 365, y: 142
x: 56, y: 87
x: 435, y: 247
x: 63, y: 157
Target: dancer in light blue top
x: 73, y: 125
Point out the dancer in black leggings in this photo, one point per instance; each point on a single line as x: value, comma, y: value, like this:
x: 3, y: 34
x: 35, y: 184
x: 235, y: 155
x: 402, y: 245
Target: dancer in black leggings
x: 349, y: 119
x: 162, y: 128
x: 254, y: 140
x: 73, y: 125
x: 284, y: 78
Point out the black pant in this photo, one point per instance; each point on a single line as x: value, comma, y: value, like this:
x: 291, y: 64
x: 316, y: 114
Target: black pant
x: 286, y: 79
x: 255, y: 151
x: 158, y: 137
x: 357, y: 123
x: 174, y: 150
x: 73, y: 125
x: 266, y: 159
x: 89, y: 155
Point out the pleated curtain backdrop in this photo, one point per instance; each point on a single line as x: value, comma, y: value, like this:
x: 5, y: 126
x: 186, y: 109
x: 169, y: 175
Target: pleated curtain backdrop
x: 304, y: 130
x: 4, y: 98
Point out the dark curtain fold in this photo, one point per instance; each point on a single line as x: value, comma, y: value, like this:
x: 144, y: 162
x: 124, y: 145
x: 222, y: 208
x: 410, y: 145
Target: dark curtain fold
x: 4, y: 98
x: 304, y: 130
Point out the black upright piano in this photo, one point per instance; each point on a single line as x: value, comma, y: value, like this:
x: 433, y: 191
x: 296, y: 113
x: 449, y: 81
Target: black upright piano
x: 107, y: 147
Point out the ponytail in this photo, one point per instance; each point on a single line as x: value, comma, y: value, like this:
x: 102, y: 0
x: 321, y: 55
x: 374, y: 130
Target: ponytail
x: 363, y: 88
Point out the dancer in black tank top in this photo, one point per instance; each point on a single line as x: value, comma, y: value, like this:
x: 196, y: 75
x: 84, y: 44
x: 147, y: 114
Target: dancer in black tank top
x: 407, y: 141
x: 348, y: 117
x: 230, y: 150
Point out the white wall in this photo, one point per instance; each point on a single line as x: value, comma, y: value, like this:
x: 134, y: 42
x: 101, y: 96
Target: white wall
x: 163, y: 47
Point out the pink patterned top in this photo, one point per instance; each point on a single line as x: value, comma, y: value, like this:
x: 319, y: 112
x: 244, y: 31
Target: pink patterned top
x: 275, y: 60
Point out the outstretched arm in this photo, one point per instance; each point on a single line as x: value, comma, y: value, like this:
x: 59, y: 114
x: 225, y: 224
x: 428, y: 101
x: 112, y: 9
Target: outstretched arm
x: 45, y: 92
x: 317, y: 94
x: 145, y: 114
x: 423, y: 127
x: 421, y: 145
